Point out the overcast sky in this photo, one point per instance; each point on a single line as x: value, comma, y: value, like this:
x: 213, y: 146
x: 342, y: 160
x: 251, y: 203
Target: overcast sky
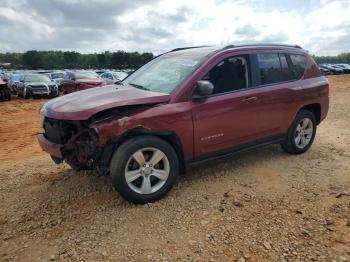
x: 321, y: 26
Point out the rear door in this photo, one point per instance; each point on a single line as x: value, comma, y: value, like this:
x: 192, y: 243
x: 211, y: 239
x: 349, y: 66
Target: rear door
x: 275, y: 86
x: 230, y: 116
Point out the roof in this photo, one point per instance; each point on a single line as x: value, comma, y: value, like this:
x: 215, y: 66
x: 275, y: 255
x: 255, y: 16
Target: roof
x: 207, y: 50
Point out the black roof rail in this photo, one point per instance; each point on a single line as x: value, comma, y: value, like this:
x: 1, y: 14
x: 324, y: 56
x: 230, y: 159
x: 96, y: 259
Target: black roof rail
x: 277, y: 45
x: 188, y: 47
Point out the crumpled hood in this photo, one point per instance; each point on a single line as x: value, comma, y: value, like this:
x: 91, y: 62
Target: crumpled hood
x: 84, y: 104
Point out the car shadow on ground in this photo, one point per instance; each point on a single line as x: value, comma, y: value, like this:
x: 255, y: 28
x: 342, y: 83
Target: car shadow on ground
x: 71, y: 186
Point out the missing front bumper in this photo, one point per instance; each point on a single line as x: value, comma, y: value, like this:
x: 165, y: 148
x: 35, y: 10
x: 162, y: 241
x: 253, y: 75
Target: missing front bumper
x: 49, y: 147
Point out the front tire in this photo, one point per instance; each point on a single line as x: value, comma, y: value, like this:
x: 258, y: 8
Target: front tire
x: 53, y: 95
x: 144, y: 169
x: 26, y: 94
x: 301, y: 133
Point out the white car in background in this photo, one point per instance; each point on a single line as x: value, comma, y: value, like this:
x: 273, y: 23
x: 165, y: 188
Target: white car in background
x: 57, y: 77
x: 112, y: 77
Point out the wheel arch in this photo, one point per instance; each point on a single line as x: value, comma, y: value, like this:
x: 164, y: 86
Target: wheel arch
x: 170, y: 137
x: 315, y: 108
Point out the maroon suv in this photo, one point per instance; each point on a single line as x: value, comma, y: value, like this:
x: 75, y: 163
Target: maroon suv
x: 81, y: 80
x: 184, y: 107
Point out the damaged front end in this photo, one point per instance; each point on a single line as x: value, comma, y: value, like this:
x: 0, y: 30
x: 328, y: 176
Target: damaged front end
x: 79, y: 144
x: 86, y: 144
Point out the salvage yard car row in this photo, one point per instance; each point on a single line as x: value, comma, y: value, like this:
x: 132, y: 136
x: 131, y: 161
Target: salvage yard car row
x: 38, y: 84
x: 334, y: 69
x: 41, y: 83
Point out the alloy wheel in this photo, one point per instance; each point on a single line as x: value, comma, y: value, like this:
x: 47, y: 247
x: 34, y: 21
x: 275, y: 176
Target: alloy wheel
x: 147, y: 170
x: 303, y: 133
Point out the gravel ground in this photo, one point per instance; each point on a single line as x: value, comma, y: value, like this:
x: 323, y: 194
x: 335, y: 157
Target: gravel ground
x: 258, y: 206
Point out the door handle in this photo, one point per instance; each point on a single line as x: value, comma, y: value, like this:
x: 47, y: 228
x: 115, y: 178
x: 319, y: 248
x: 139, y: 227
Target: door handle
x: 251, y: 99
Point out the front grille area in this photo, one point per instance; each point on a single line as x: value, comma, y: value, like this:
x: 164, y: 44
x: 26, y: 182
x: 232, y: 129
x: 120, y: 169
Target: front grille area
x: 59, y: 131
x: 39, y: 89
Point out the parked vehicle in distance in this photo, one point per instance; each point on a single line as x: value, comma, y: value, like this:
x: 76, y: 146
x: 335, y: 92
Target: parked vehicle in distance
x: 4, y: 76
x: 184, y: 107
x: 129, y: 71
x: 113, y: 77
x: 325, y: 71
x: 345, y: 67
x: 335, y: 70
x: 12, y: 82
x: 100, y: 72
x: 5, y: 92
x: 81, y: 80
x: 57, y: 77
x: 36, y: 86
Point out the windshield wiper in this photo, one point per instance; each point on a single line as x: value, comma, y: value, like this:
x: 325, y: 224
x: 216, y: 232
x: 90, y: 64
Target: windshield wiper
x: 119, y: 82
x: 139, y: 86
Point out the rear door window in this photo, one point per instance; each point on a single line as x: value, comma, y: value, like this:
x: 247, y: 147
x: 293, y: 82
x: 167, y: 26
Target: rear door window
x: 269, y: 68
x: 274, y: 68
x: 299, y: 64
x: 286, y: 73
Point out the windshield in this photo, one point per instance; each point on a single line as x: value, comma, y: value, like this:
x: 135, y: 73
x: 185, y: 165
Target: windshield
x: 15, y: 77
x: 165, y: 73
x: 120, y: 75
x: 86, y: 75
x: 37, y: 78
x: 57, y: 75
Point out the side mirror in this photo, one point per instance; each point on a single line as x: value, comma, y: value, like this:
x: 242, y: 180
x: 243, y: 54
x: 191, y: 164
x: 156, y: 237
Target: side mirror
x: 204, y: 88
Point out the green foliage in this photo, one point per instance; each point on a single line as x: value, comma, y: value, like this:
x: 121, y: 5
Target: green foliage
x: 74, y: 60
x: 32, y: 59
x: 339, y: 59
x: 115, y: 60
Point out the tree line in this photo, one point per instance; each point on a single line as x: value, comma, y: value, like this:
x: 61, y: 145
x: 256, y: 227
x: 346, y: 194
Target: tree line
x: 338, y: 59
x: 73, y: 60
x: 117, y: 60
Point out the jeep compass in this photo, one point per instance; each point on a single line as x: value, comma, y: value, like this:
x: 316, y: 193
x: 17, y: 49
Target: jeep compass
x: 186, y: 106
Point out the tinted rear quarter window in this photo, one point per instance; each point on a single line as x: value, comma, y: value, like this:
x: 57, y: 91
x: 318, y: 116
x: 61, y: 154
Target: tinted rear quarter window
x: 299, y: 64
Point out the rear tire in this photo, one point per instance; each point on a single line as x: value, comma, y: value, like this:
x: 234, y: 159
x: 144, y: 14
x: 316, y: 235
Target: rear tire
x: 143, y: 169
x: 301, y: 133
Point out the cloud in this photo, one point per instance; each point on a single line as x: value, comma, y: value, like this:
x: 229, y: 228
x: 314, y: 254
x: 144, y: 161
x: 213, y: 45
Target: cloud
x: 321, y: 26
